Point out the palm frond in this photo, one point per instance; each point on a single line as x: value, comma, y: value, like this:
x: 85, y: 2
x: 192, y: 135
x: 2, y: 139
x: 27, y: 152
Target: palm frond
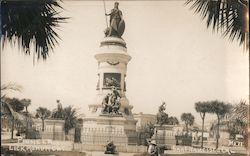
x: 8, y: 111
x: 240, y: 112
x: 10, y: 87
x: 31, y: 22
x: 70, y: 117
x: 42, y: 113
x: 227, y: 16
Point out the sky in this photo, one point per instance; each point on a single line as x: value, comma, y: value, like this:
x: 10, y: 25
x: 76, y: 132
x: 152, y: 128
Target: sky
x: 175, y: 59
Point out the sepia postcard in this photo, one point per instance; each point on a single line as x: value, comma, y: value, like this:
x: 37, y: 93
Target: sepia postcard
x: 127, y: 78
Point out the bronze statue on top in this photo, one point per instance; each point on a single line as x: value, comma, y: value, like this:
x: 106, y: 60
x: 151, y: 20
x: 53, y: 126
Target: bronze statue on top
x: 162, y: 117
x: 116, y: 23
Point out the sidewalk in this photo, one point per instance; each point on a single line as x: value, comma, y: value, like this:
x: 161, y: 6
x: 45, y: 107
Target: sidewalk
x: 102, y: 154
x: 188, y: 150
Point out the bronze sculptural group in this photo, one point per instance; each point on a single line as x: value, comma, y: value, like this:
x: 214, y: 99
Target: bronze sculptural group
x: 111, y: 102
x: 109, y: 82
x: 162, y: 117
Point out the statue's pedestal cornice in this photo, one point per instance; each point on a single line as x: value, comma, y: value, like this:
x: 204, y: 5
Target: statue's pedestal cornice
x: 113, y: 41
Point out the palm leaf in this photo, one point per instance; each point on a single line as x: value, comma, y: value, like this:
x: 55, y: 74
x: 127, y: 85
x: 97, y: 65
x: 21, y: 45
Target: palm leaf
x: 227, y: 16
x: 31, y: 22
x: 240, y: 112
x: 7, y: 110
x: 70, y: 117
x: 11, y: 86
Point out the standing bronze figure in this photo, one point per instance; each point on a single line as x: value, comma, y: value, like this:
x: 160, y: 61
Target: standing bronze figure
x: 116, y: 22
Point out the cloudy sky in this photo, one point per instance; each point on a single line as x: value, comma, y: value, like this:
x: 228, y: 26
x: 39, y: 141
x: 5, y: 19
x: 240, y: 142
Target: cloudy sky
x: 175, y: 59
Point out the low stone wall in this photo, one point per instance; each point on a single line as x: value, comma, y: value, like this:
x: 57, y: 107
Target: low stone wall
x: 88, y: 147
x: 126, y: 148
x: 132, y: 149
x: 164, y: 135
x: 52, y: 135
x: 102, y: 139
x: 57, y: 135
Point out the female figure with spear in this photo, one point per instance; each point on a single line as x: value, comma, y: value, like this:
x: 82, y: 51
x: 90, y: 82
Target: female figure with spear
x: 116, y: 22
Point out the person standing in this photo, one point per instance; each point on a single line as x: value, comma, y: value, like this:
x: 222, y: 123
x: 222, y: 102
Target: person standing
x: 116, y: 22
x: 152, y: 149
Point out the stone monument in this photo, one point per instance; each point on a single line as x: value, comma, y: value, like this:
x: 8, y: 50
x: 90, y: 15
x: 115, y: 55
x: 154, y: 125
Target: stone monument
x: 110, y: 117
x: 164, y: 133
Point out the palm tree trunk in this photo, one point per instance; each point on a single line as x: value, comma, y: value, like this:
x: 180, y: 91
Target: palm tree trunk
x: 12, y: 127
x: 42, y: 124
x: 202, y: 131
x: 54, y: 132
x: 218, y: 133
x: 27, y: 128
x: 187, y: 128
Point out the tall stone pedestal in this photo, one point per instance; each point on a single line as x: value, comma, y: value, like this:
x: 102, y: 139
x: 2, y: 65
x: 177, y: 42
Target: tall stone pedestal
x: 164, y: 135
x: 100, y: 126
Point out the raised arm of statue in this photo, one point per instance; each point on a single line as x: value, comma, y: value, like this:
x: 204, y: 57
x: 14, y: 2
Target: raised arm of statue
x: 162, y: 107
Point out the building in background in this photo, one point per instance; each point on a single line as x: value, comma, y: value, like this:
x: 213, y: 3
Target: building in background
x: 143, y: 120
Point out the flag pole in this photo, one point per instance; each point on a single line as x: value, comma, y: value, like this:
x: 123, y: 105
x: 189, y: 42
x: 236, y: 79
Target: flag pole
x: 105, y: 12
